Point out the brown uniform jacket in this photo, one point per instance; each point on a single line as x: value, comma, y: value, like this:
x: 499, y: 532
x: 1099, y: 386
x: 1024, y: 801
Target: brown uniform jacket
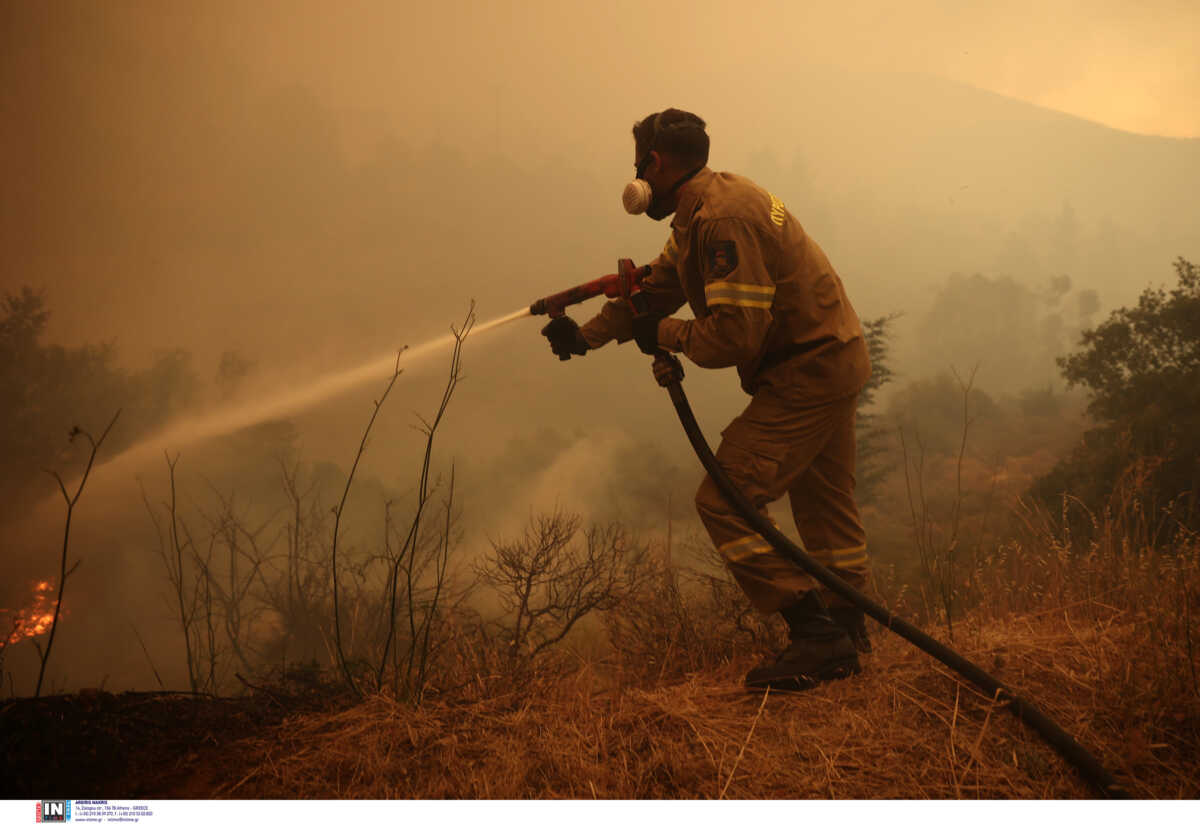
x: 764, y: 296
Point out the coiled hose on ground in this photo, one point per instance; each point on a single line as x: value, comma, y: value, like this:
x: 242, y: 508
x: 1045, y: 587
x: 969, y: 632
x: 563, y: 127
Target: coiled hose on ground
x: 1087, y: 764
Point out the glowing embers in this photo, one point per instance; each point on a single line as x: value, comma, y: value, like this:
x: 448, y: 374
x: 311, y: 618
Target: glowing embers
x: 32, y: 621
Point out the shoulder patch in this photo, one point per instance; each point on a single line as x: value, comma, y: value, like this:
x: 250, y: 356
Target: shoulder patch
x: 721, y: 257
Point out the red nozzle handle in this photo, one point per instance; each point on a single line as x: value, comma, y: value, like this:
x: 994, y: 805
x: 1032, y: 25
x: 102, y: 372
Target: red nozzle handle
x: 629, y: 278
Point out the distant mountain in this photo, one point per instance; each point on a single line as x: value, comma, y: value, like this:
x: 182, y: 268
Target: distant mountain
x: 919, y: 176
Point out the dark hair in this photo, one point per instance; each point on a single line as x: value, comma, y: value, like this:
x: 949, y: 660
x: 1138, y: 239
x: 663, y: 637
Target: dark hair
x: 674, y: 132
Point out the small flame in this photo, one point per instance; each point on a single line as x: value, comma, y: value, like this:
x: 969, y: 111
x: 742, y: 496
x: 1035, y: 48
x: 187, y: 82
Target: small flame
x: 36, y: 619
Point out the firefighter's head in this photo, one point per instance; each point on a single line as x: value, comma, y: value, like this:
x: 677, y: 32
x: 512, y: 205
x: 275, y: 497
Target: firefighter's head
x: 669, y: 147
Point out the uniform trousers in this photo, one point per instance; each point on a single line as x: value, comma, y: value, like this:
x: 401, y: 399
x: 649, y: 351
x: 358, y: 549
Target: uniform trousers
x: 775, y: 447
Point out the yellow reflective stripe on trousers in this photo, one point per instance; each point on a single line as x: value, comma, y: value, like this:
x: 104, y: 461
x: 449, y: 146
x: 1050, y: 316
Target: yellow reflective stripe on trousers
x: 749, y: 295
x: 745, y: 547
x: 848, y: 558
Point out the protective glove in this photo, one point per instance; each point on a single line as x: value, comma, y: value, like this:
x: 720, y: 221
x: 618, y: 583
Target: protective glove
x: 565, y: 338
x: 645, y: 332
x: 667, y: 370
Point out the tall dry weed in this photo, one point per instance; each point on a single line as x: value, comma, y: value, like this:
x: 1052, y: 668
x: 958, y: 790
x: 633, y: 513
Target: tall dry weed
x: 1124, y: 584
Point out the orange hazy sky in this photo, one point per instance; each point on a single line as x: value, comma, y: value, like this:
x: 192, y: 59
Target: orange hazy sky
x: 1133, y: 66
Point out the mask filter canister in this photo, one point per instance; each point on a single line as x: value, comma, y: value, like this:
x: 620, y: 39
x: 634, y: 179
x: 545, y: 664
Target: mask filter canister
x: 637, y: 196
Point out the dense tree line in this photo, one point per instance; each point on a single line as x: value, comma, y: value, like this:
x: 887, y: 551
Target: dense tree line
x: 1141, y: 367
x: 47, y: 389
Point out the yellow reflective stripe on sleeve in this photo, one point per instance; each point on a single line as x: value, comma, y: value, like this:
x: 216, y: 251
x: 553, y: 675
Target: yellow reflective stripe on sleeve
x: 747, y: 303
x: 745, y: 547
x: 744, y: 288
x: 671, y: 250
x: 750, y: 295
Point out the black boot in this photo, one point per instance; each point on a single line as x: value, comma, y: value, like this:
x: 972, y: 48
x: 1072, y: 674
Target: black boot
x: 853, y: 621
x: 820, y: 650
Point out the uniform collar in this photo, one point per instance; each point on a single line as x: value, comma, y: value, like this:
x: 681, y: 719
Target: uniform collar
x: 689, y: 197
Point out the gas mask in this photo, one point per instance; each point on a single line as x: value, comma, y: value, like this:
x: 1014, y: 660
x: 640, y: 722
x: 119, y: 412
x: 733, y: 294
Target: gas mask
x: 638, y: 196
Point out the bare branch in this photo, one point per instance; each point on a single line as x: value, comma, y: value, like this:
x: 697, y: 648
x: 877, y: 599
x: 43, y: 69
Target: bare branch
x: 337, y: 521
x: 63, y: 572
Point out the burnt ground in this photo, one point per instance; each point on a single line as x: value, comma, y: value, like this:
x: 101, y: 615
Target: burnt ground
x: 96, y: 744
x: 904, y: 728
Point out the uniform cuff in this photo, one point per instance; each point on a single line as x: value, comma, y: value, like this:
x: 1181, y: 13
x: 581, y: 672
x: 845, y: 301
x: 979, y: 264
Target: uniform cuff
x: 595, y: 334
x: 670, y: 333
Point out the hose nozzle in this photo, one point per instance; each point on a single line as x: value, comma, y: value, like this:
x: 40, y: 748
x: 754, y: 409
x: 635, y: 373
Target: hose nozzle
x: 621, y: 284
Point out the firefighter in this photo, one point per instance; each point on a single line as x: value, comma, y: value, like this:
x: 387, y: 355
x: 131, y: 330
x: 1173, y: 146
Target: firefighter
x: 767, y: 301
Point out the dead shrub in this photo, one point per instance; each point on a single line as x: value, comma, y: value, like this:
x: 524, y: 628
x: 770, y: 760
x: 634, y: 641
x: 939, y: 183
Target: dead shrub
x: 678, y: 620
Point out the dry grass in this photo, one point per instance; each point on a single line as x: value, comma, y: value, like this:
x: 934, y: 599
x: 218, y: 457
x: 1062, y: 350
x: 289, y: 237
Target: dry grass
x: 905, y: 728
x: 1099, y: 627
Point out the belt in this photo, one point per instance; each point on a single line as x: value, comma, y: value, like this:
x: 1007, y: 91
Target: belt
x: 790, y: 351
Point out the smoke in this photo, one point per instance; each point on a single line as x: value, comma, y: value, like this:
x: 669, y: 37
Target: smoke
x: 579, y: 480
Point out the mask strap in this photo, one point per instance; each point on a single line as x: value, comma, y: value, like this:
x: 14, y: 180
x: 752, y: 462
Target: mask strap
x: 685, y: 179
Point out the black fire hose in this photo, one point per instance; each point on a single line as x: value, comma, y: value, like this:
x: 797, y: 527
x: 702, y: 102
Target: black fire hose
x: 1070, y: 749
